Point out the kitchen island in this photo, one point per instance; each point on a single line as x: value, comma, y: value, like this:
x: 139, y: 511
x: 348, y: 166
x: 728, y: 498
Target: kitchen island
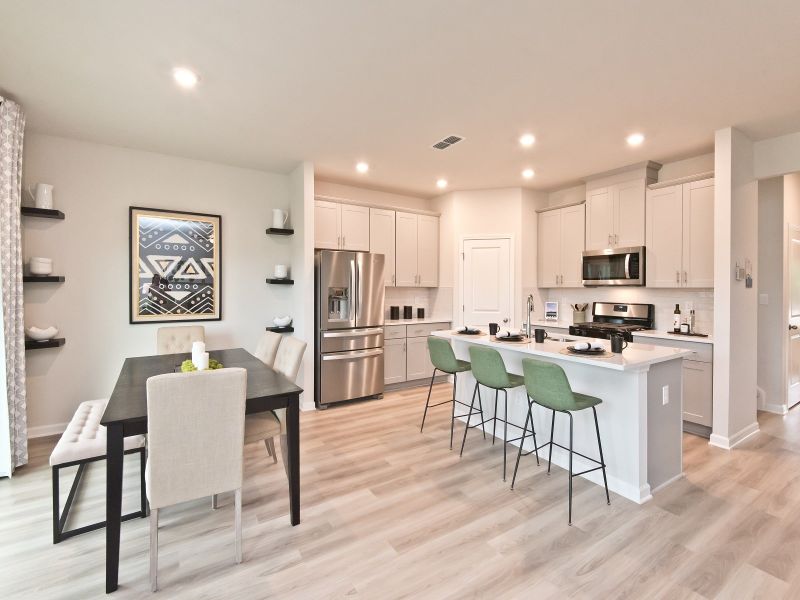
x: 640, y: 418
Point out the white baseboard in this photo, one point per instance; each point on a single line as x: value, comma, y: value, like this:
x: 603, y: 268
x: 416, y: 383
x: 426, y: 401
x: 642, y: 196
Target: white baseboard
x: 728, y: 443
x: 46, y: 430
x: 778, y: 409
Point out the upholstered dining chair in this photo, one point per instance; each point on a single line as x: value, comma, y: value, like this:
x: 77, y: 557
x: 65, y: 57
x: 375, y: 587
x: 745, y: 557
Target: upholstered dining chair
x: 174, y: 340
x: 195, y: 424
x: 267, y: 426
x: 267, y: 347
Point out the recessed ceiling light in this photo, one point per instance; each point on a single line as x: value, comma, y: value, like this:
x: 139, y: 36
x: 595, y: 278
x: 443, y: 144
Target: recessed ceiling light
x: 528, y: 173
x: 362, y: 167
x: 527, y: 140
x: 635, y: 139
x: 441, y: 183
x: 186, y: 78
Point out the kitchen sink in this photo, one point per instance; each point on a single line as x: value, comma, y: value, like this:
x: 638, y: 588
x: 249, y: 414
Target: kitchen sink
x: 559, y: 338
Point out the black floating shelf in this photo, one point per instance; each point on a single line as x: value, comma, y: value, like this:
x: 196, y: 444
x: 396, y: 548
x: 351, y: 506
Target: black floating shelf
x: 43, y: 279
x: 53, y: 343
x: 279, y: 231
x: 287, y: 329
x: 280, y: 281
x: 46, y: 213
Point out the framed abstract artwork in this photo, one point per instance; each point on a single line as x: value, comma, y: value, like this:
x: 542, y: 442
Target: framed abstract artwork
x: 175, y: 266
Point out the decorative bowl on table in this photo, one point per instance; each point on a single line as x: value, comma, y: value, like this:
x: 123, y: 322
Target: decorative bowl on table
x: 282, y: 321
x: 41, y: 335
x: 188, y: 366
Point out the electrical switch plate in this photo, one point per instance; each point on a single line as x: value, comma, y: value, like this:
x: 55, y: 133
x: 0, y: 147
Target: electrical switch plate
x: 665, y: 395
x: 763, y: 299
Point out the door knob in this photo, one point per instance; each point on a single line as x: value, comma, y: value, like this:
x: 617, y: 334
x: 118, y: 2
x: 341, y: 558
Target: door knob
x: 792, y: 327
x: 506, y: 321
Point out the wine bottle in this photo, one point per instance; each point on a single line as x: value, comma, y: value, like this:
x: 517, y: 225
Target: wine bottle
x: 676, y: 319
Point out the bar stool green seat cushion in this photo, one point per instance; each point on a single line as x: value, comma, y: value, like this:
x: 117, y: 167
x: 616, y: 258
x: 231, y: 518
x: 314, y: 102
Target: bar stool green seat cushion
x: 548, y: 385
x: 490, y: 370
x: 443, y: 357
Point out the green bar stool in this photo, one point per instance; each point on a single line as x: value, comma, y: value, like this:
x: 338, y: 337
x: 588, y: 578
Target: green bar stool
x: 490, y: 371
x: 547, y: 385
x: 444, y: 360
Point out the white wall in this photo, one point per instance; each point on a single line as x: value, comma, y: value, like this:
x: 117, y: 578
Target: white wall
x: 369, y: 196
x: 94, y: 186
x: 735, y: 306
x: 771, y: 321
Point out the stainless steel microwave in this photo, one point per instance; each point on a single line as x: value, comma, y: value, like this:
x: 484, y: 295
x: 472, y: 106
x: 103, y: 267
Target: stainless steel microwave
x: 614, y: 266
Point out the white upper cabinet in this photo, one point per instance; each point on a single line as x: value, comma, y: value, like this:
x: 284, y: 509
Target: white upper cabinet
x: 355, y: 227
x: 560, y: 247
x: 428, y: 251
x: 406, y: 244
x: 381, y: 240
x: 327, y: 225
x: 341, y: 226
x: 680, y: 235
x: 615, y: 215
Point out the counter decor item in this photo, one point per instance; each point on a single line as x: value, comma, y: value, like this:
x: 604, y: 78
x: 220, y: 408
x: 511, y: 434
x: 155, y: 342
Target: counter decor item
x: 175, y: 266
x: 588, y: 348
x: 394, y: 313
x: 40, y: 266
x: 408, y: 312
x: 420, y: 313
x: 551, y: 311
x: 198, y: 350
x: 41, y: 335
x: 505, y: 335
x: 281, y: 272
x: 618, y: 343
x: 465, y: 330
x: 579, y: 313
x: 279, y: 218
x: 43, y: 196
x: 282, y: 321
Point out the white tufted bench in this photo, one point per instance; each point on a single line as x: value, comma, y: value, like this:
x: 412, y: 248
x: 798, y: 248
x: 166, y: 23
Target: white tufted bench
x: 84, y: 441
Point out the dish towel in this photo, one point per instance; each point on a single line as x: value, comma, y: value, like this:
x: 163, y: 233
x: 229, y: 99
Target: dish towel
x: 588, y: 346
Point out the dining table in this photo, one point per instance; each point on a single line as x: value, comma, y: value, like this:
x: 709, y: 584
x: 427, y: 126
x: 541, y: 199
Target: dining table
x: 126, y: 415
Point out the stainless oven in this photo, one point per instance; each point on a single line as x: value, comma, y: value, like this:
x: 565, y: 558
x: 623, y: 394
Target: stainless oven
x: 614, y: 266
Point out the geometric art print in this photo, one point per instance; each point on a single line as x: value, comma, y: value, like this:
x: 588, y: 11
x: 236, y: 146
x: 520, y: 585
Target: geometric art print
x: 175, y: 266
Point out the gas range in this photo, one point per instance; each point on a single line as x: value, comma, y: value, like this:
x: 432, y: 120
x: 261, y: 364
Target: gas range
x: 609, y: 318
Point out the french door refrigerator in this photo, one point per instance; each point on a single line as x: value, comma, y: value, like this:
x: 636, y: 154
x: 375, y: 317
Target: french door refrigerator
x: 349, y: 294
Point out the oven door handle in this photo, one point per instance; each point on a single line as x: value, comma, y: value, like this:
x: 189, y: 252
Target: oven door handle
x: 353, y: 355
x: 628, y: 265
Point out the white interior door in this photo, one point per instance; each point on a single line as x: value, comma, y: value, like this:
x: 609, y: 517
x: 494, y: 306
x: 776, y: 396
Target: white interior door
x: 794, y: 316
x: 487, y: 282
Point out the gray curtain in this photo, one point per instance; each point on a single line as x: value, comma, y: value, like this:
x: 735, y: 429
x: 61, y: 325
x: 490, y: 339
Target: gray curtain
x: 12, y: 124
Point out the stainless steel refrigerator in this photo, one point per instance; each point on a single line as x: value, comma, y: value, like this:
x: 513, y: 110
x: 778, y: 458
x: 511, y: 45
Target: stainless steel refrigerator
x: 349, y: 323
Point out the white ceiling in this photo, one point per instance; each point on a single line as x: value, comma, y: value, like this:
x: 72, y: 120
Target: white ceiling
x: 334, y: 82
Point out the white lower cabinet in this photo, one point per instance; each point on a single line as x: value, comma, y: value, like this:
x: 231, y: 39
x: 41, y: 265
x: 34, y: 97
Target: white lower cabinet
x: 405, y: 352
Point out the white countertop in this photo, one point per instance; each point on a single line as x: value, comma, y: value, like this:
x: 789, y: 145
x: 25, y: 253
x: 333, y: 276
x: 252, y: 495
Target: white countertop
x: 635, y: 357
x: 652, y: 333
x: 425, y: 321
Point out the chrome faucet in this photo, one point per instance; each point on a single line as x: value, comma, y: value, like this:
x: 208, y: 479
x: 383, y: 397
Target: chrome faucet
x: 530, y: 310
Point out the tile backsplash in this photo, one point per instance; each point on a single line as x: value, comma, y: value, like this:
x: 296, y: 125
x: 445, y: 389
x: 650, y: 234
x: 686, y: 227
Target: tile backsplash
x: 702, y: 301
x: 436, y: 302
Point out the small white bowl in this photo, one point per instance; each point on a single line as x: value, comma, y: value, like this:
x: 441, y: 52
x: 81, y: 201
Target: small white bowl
x: 40, y: 266
x: 41, y: 335
x: 282, y: 321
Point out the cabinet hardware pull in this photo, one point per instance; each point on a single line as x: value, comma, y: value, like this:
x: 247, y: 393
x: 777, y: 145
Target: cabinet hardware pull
x: 685, y: 278
x: 677, y: 276
x: 344, y: 241
x: 609, y: 239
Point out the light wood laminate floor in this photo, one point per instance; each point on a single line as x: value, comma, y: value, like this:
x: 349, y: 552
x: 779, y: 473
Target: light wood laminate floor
x: 390, y: 513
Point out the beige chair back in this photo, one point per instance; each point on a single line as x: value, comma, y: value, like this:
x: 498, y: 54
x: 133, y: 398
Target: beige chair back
x: 289, y: 357
x: 174, y: 340
x: 268, y: 347
x: 195, y: 425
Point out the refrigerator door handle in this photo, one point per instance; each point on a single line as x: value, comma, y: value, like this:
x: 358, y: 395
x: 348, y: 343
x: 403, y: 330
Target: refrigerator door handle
x: 353, y: 291
x: 352, y: 332
x: 353, y: 355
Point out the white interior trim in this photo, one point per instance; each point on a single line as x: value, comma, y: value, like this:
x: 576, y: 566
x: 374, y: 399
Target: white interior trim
x: 46, y: 430
x: 679, y: 180
x: 405, y: 209
x: 730, y: 443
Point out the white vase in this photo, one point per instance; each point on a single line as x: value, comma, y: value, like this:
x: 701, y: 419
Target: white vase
x: 279, y: 218
x: 44, y: 196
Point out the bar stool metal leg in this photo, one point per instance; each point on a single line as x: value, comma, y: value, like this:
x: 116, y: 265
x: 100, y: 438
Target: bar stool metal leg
x: 602, y: 460
x: 469, y: 418
x: 453, y: 412
x: 505, y: 431
x: 550, y: 456
x: 570, y: 466
x: 480, y: 408
x: 428, y: 401
x: 494, y: 417
x: 521, y: 443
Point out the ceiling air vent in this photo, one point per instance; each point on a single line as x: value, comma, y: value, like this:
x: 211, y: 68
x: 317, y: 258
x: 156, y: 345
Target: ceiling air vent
x: 447, y: 142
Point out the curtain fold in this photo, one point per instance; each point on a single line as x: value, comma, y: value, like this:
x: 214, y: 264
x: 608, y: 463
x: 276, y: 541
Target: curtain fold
x: 12, y: 124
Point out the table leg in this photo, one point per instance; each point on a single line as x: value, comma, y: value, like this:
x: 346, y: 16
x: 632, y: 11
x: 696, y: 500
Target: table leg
x: 293, y: 434
x: 114, y: 458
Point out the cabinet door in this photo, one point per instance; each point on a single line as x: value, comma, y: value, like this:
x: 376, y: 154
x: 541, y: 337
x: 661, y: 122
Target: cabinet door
x: 697, y: 392
x: 355, y: 227
x: 407, y: 250
x: 572, y: 236
x: 418, y: 363
x: 394, y: 361
x: 427, y: 251
x: 599, y: 219
x: 628, y: 213
x: 664, y: 244
x: 549, y: 248
x: 698, y: 234
x: 381, y: 240
x: 327, y: 224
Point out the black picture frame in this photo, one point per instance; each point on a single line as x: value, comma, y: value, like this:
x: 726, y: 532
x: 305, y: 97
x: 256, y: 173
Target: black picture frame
x: 134, y: 315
